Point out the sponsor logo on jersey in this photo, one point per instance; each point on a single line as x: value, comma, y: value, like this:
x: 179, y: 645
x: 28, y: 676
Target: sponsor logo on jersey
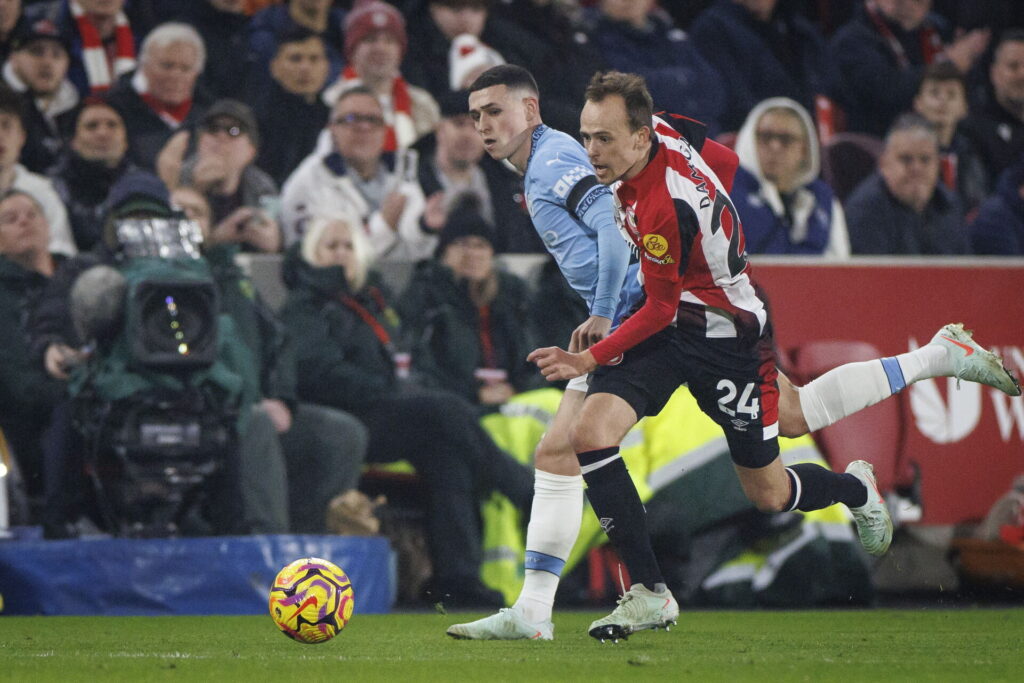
x: 656, y: 244
x: 569, y: 180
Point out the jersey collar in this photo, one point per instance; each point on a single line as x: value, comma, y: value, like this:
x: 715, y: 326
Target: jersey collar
x: 537, y: 133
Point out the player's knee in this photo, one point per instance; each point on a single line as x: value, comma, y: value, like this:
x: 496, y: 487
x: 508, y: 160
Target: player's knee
x: 769, y: 499
x: 583, y: 437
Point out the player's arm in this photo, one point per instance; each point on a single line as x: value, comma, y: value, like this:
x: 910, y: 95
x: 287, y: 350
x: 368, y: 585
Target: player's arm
x: 663, y: 283
x: 596, y: 208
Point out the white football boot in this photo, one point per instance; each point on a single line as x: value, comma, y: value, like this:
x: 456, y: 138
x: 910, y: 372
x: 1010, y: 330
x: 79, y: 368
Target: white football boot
x: 874, y: 526
x: 974, y: 363
x: 507, y: 624
x: 638, y: 609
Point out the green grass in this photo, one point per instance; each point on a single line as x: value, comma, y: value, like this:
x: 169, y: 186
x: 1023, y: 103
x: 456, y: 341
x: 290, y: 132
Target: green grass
x: 963, y: 644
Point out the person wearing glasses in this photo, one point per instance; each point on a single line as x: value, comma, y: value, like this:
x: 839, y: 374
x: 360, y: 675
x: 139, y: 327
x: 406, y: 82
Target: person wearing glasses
x: 355, y: 176
x: 241, y: 195
x: 785, y: 207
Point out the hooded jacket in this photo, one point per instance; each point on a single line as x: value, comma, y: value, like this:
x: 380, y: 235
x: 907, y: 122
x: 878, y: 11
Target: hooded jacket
x: 810, y: 220
x: 999, y: 226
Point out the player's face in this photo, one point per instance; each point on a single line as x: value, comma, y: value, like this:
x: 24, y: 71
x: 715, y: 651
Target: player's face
x: 910, y: 166
x: 503, y: 120
x: 616, y: 151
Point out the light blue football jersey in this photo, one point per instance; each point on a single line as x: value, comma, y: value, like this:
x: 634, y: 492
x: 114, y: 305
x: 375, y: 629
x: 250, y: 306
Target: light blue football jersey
x: 575, y: 218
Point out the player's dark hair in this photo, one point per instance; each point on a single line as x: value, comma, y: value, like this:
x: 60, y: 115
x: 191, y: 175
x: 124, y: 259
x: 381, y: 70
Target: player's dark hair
x: 943, y: 72
x: 508, y: 75
x: 631, y: 88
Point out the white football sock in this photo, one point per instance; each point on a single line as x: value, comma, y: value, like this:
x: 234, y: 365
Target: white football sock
x: 843, y: 391
x: 555, y: 519
x: 931, y: 360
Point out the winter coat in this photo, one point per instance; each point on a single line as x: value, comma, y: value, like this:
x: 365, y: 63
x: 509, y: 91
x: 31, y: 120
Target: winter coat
x: 27, y: 392
x: 809, y: 221
x: 680, y: 79
x: 999, y: 227
x: 225, y: 35
x: 321, y: 186
x: 254, y: 188
x: 869, y: 82
x: 879, y: 224
x: 446, y: 328
x: 783, y: 57
x: 291, y: 125
x: 46, y: 132
x: 997, y: 134
x: 340, y: 361
x: 83, y: 186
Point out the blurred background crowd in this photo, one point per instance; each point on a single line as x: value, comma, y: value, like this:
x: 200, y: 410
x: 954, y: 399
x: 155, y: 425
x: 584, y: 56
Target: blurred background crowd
x: 336, y: 134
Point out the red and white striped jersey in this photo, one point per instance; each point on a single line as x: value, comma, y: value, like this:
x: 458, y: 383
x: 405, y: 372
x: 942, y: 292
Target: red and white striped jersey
x: 688, y: 238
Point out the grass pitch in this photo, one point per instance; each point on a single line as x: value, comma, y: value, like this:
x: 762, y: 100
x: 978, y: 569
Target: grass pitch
x: 963, y: 644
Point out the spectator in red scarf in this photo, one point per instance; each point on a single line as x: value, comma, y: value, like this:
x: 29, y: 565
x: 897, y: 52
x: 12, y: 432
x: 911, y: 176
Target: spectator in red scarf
x: 881, y: 55
x: 101, y: 38
x: 375, y: 42
x: 159, y: 97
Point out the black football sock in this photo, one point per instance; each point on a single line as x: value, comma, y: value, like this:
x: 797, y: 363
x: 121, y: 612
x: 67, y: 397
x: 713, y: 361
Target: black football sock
x: 621, y: 513
x: 814, y: 488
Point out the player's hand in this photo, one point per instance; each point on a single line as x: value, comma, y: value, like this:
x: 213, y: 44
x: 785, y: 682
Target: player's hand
x: 556, y: 364
x: 592, y: 330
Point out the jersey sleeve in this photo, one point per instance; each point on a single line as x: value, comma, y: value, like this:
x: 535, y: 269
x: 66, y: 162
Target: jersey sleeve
x: 664, y: 251
x: 566, y: 172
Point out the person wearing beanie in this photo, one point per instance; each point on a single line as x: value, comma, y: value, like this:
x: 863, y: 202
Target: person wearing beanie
x: 470, y: 320
x: 375, y: 43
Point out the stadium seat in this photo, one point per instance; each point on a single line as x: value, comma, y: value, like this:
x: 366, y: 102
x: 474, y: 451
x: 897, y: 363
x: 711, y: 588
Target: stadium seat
x: 848, y: 159
x: 875, y: 434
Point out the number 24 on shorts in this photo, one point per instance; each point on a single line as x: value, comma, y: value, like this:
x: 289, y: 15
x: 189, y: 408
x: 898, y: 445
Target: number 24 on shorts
x: 747, y: 404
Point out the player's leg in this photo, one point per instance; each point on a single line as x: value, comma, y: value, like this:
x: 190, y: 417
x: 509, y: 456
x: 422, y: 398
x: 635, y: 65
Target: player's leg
x: 604, y: 420
x: 555, y: 517
x: 852, y: 387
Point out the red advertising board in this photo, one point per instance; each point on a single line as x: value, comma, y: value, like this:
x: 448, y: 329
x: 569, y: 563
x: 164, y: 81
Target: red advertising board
x: 968, y: 443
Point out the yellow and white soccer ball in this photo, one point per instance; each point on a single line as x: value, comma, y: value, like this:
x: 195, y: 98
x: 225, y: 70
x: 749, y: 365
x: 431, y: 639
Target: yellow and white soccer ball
x: 311, y: 600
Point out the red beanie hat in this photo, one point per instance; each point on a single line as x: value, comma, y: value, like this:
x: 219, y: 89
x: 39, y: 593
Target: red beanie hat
x: 368, y: 16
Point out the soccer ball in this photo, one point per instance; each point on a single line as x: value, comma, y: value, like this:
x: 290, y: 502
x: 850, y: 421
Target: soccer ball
x: 311, y: 600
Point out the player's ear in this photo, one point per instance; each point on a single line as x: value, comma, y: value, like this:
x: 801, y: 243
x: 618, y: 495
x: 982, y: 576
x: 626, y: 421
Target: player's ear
x: 532, y: 107
x: 643, y: 136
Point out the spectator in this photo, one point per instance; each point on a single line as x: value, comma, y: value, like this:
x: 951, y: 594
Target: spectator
x: 375, y: 42
x: 15, y: 176
x: 761, y: 49
x: 942, y: 101
x: 470, y: 320
x: 319, y: 450
x: 344, y: 331
x: 37, y: 68
x: 998, y: 228
x: 785, y: 208
x: 880, y: 56
x: 223, y: 26
x: 635, y: 37
x: 357, y: 178
x: 103, y: 41
x: 451, y: 42
x: 269, y: 24
x: 11, y: 20
x: 223, y: 170
x: 160, y: 97
x: 93, y: 162
x: 291, y: 110
x: 27, y: 394
x: 997, y: 126
x: 903, y: 208
x: 453, y: 163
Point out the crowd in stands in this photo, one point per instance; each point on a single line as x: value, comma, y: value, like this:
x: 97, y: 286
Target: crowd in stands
x: 337, y: 135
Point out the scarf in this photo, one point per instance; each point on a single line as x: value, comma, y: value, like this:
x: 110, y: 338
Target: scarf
x: 94, y: 55
x: 401, y: 132
x: 172, y: 115
x: 931, y: 41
